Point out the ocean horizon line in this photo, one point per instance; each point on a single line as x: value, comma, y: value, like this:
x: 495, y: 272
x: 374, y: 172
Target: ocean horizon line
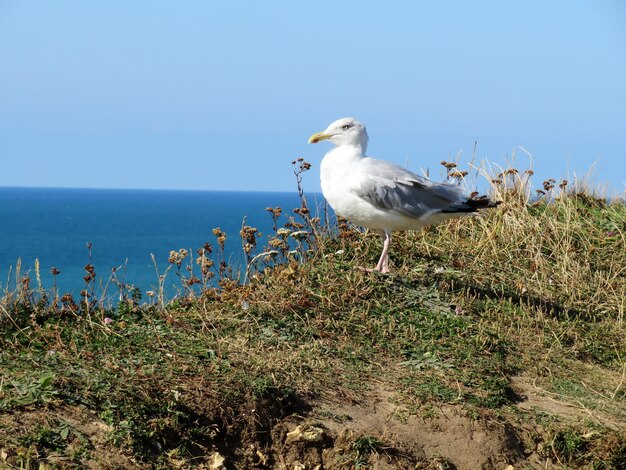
x: 53, y: 188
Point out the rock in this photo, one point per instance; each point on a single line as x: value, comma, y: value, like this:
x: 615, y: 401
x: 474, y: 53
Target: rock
x: 305, y: 433
x: 216, y: 462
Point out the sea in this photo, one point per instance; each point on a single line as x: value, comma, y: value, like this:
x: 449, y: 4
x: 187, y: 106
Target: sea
x: 124, y: 229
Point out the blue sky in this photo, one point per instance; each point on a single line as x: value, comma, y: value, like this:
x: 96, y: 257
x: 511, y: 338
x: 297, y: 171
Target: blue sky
x: 224, y: 95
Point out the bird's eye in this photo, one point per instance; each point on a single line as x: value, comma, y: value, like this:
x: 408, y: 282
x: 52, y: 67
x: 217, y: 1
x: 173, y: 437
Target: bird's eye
x: 346, y: 127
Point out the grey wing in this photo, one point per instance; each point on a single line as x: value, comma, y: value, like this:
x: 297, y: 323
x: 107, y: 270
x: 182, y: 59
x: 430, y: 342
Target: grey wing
x: 391, y: 187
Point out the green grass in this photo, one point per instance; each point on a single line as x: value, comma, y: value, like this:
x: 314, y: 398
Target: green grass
x: 533, y: 290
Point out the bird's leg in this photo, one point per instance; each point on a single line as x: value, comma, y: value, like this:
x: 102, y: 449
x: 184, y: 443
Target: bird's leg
x: 383, y: 262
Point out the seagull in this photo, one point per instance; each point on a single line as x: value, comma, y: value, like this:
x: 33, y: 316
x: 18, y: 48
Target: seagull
x: 380, y: 195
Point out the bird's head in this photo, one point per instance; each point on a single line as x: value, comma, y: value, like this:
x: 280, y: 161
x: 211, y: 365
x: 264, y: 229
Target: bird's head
x: 344, y: 131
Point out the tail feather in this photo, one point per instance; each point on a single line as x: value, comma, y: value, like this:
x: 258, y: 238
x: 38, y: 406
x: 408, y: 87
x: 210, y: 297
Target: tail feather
x: 473, y: 204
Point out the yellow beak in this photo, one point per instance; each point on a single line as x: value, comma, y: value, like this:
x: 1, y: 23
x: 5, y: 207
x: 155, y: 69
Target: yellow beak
x: 315, y: 138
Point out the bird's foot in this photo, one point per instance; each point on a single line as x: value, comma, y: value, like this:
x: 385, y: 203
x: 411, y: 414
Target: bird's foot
x: 373, y: 270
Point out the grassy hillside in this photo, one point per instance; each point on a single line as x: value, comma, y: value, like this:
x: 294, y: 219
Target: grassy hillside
x: 497, y: 341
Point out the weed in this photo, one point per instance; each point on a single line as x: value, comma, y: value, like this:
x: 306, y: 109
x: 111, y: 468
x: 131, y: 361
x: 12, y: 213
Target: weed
x: 34, y: 391
x: 568, y: 446
x: 363, y: 447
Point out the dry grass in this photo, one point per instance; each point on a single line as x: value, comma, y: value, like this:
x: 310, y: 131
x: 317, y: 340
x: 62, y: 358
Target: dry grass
x: 565, y: 249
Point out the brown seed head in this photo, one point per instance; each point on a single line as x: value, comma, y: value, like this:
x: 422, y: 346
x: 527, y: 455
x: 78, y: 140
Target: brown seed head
x: 458, y: 174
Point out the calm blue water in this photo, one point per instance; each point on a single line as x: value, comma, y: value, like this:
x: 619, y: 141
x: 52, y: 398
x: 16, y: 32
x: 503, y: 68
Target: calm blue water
x: 124, y: 227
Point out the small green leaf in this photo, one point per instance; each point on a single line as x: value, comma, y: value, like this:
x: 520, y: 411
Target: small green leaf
x: 45, y: 380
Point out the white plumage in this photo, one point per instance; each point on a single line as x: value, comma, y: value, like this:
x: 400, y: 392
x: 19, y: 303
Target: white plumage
x: 380, y: 195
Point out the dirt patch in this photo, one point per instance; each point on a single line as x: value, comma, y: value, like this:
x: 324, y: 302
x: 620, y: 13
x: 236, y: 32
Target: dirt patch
x: 535, y: 398
x: 446, y: 439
